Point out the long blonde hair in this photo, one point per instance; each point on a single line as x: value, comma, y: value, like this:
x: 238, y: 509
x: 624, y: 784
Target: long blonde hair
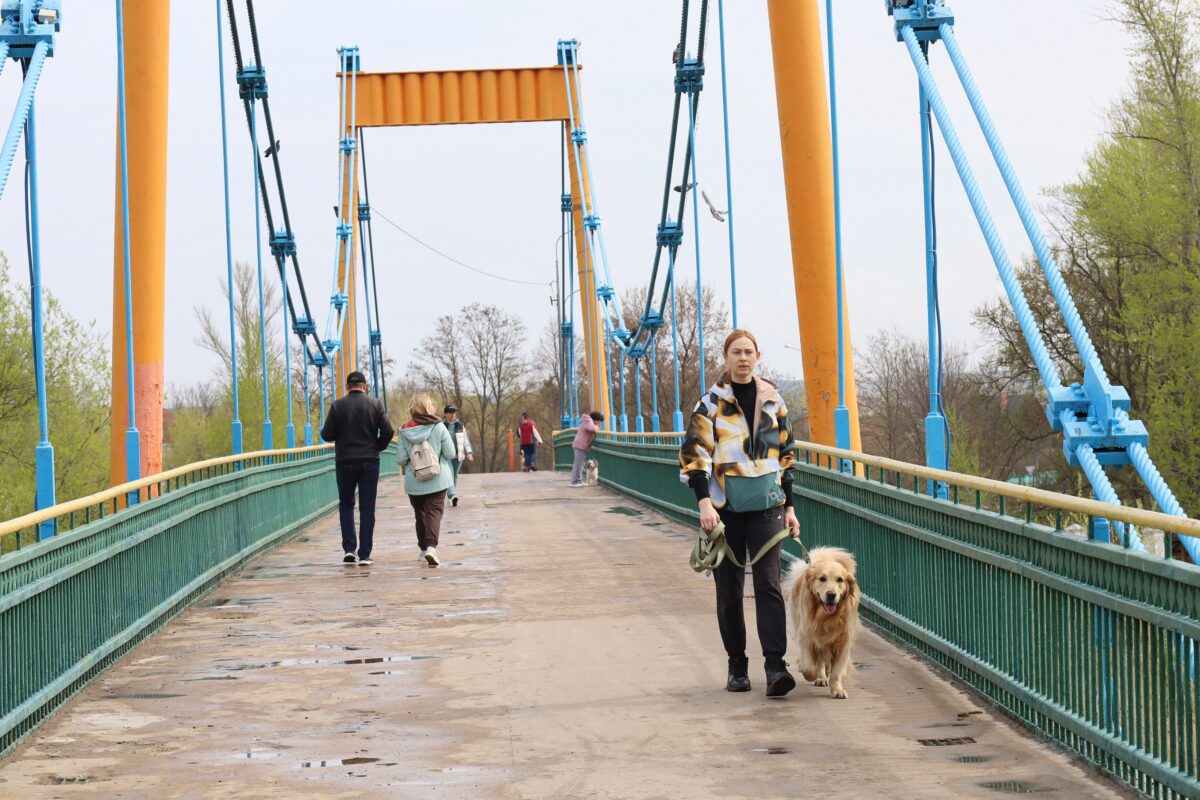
x: 422, y: 404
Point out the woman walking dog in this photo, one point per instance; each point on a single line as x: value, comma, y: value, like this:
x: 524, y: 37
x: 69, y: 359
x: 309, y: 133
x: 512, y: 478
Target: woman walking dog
x: 738, y: 456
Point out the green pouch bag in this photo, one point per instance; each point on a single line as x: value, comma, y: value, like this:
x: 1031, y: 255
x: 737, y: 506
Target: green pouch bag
x: 753, y: 494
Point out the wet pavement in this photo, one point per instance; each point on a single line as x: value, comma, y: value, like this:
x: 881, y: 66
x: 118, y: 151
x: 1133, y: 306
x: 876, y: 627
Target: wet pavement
x: 564, y: 649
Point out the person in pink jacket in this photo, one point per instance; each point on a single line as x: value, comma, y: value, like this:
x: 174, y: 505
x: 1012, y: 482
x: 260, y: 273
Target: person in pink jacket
x: 588, y: 428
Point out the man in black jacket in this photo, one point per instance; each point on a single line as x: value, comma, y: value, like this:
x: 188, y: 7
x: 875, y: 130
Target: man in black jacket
x: 359, y: 429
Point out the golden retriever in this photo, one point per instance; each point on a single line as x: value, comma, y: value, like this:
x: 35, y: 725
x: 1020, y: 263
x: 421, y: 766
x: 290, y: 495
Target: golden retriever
x: 822, y: 600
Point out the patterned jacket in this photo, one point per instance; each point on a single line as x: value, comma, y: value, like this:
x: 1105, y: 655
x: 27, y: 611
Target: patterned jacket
x: 718, y: 438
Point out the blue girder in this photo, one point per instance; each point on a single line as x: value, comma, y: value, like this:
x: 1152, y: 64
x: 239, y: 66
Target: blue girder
x: 1093, y: 416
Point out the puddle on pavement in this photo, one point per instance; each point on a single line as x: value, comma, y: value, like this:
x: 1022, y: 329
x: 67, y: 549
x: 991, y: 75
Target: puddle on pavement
x: 141, y: 696
x: 339, y: 762
x: 218, y: 602
x: 337, y: 647
x: 261, y: 754
x: 625, y: 510
x: 210, y: 678
x: 1015, y: 787
x: 298, y: 662
x: 59, y: 780
x: 771, y: 751
x: 974, y: 759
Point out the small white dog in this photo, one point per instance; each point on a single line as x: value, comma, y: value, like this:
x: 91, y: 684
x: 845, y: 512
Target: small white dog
x: 591, y: 472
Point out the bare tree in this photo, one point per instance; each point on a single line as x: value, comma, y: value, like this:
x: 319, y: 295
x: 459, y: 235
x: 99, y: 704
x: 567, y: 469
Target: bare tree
x: 476, y: 359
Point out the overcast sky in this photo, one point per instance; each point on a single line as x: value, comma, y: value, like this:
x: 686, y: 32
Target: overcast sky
x: 488, y: 195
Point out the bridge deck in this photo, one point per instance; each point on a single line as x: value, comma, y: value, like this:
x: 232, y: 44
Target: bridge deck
x: 563, y: 650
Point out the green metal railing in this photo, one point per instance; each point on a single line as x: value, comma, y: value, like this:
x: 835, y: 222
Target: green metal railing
x: 73, y: 604
x: 1091, y: 645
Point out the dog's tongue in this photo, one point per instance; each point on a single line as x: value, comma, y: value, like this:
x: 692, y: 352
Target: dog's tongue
x: 829, y: 607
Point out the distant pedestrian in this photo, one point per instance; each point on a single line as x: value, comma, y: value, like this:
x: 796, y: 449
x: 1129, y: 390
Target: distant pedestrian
x: 425, y: 452
x: 589, y: 426
x: 531, y: 437
x: 359, y: 429
x: 462, y: 447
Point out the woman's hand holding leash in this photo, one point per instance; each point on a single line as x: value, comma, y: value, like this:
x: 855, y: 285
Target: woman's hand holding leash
x: 793, y: 524
x: 709, y: 518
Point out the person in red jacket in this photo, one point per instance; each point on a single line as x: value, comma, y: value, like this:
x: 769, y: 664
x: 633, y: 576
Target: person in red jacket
x: 531, y: 437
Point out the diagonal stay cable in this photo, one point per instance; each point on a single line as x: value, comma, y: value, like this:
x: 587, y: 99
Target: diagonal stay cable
x: 430, y: 247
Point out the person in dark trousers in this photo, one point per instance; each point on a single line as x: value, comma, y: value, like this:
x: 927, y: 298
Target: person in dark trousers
x: 589, y: 426
x: 531, y: 437
x: 462, y: 447
x: 741, y: 471
x: 425, y: 450
x: 359, y: 429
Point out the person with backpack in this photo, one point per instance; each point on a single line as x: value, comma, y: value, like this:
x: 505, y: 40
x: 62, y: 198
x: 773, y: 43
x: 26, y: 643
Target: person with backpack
x: 531, y: 437
x: 425, y: 451
x: 359, y: 428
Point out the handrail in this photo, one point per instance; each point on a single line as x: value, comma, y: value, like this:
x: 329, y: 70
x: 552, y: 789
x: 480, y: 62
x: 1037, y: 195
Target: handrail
x: 626, y: 434
x: 1028, y: 494
x: 116, y: 492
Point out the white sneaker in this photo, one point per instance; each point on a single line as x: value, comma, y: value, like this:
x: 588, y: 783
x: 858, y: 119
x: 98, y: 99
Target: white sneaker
x: 431, y: 557
x: 422, y: 556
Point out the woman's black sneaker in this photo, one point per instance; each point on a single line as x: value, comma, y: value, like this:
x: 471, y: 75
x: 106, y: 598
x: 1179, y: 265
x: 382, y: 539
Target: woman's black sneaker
x: 739, y: 675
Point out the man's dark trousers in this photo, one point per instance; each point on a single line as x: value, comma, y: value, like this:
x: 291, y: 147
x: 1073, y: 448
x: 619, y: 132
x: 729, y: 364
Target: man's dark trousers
x: 363, y: 476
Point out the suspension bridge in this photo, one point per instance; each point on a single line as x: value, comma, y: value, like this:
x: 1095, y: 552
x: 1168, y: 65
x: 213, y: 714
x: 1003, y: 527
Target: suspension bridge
x: 183, y: 633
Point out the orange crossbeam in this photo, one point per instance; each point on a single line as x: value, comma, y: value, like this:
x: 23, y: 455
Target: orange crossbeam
x: 459, y: 96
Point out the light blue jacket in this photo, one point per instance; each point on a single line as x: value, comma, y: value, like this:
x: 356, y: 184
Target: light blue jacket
x: 442, y: 443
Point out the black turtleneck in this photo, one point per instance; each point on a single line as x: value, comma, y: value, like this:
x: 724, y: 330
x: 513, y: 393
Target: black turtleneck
x: 746, y: 395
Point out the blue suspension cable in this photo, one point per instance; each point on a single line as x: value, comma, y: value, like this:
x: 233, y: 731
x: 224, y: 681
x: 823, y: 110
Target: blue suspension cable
x: 1008, y: 277
x: 44, y: 452
x: 655, y: 420
x: 262, y: 330
x: 321, y: 393
x: 33, y: 73
x: 308, y: 429
x: 236, y: 426
x: 640, y: 423
x: 937, y: 429
x: 133, y: 457
x: 841, y: 414
x: 677, y: 416
x: 728, y: 169
x: 290, y: 430
x: 691, y: 151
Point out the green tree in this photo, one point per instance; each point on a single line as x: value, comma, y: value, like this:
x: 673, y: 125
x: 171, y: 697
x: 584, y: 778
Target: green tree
x: 77, y: 396
x: 1127, y: 238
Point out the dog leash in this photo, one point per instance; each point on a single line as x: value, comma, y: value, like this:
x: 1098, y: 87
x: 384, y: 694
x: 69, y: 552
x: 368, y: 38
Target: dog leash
x: 711, y: 549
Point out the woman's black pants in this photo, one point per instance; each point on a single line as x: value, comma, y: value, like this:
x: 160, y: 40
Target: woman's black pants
x: 748, y: 532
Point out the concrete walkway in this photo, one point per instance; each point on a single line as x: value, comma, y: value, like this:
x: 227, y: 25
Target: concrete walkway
x: 563, y: 650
